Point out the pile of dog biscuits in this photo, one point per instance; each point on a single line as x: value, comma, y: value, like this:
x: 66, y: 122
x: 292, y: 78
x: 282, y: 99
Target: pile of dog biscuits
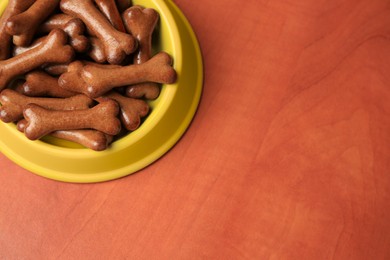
x: 82, y: 71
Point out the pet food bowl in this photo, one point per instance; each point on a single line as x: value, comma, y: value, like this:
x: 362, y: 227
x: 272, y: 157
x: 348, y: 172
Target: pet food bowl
x: 171, y: 114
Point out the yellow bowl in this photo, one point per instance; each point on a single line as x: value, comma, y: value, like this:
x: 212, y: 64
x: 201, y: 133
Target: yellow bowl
x: 171, y: 115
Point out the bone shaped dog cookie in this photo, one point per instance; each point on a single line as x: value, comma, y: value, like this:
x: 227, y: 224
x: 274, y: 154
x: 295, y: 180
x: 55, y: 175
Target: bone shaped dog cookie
x: 148, y: 90
x: 110, y: 10
x: 52, y: 50
x: 72, y: 80
x: 141, y: 22
x: 24, y: 25
x: 41, y: 121
x: 17, y: 50
x: 91, y: 139
x: 158, y: 69
x: 41, y: 84
x: 13, y: 103
x: 14, y: 7
x: 132, y: 110
x: 74, y: 27
x: 117, y: 45
x: 52, y: 69
x: 94, y: 80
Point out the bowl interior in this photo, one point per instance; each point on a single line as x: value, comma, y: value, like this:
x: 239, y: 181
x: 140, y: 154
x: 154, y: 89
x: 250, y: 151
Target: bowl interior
x: 163, y: 40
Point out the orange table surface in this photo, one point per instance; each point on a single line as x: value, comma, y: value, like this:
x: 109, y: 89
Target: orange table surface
x: 288, y: 156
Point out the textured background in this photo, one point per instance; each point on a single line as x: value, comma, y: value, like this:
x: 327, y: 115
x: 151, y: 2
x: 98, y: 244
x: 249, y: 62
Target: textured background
x: 288, y: 156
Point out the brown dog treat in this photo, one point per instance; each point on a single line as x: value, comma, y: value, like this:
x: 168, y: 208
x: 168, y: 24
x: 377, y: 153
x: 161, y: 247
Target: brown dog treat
x: 96, y: 52
x: 141, y: 22
x: 52, y: 50
x: 13, y: 104
x: 17, y: 50
x: 110, y: 11
x: 53, y: 69
x: 74, y: 27
x: 24, y: 25
x: 158, y: 69
x: 123, y: 5
x: 91, y: 139
x: 95, y: 81
x: 42, y: 121
x: 41, y: 84
x: 14, y: 7
x: 117, y: 45
x: 148, y: 90
x: 72, y: 80
x: 56, y: 69
x: 132, y: 110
